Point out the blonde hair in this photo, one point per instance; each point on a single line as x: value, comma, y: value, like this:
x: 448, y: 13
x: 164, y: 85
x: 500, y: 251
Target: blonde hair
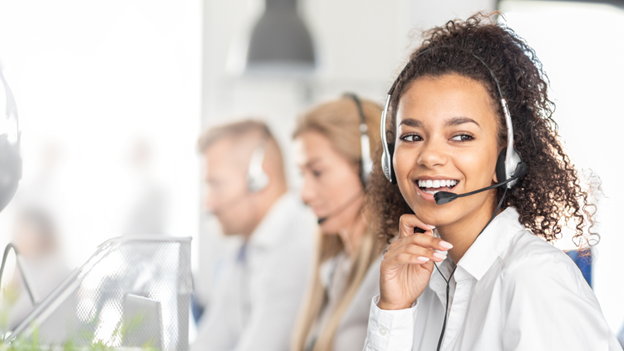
x: 339, y: 122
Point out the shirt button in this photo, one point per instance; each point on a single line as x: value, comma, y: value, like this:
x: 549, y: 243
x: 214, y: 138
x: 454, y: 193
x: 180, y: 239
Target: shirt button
x: 383, y: 331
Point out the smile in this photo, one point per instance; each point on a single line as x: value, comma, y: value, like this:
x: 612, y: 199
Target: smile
x: 433, y: 186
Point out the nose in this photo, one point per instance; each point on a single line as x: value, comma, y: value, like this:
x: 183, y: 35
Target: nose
x: 433, y: 153
x: 209, y: 201
x: 308, y: 191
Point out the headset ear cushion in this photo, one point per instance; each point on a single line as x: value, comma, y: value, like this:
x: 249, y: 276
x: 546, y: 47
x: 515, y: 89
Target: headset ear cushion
x: 393, y: 179
x: 501, y: 174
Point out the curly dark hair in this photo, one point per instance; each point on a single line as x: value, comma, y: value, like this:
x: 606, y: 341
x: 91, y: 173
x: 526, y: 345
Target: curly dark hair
x: 549, y: 196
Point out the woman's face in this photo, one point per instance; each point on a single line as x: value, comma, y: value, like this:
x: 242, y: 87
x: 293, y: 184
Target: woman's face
x: 446, y: 141
x: 331, y: 184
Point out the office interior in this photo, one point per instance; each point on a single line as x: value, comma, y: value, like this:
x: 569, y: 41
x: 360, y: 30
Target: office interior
x: 112, y: 96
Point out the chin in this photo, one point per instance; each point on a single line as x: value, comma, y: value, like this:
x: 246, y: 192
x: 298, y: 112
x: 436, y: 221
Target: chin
x: 435, y: 215
x: 230, y: 229
x: 328, y: 229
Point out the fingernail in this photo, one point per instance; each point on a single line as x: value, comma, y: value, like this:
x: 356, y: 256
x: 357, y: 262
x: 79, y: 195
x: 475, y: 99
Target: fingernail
x: 446, y: 245
x: 423, y: 259
x: 439, y: 255
x: 431, y: 226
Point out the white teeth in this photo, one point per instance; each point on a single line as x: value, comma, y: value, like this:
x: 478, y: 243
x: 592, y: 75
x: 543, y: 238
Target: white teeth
x: 436, y: 183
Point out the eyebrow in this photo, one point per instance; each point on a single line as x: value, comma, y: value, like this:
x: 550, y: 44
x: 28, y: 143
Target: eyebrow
x: 410, y: 122
x: 460, y: 120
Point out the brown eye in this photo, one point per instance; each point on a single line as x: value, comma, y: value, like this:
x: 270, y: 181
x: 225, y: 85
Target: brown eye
x: 462, y: 137
x: 411, y: 137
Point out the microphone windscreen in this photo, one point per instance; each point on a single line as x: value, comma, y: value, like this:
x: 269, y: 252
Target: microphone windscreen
x: 444, y: 197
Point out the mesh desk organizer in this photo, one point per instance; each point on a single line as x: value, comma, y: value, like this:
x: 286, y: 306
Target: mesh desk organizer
x: 134, y: 292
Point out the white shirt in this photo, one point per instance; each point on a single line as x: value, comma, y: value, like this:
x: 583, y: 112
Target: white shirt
x: 257, y: 296
x: 351, y: 331
x: 511, y: 291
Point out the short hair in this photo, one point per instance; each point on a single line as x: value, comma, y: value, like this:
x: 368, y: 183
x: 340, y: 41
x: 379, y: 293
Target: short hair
x: 217, y: 133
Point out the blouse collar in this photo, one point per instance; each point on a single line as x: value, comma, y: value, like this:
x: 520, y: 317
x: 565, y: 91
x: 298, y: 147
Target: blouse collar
x: 484, y: 252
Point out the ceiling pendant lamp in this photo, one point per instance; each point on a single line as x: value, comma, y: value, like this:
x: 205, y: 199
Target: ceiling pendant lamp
x: 280, y: 41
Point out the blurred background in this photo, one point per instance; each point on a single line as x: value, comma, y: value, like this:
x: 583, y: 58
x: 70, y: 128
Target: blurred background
x: 112, y: 96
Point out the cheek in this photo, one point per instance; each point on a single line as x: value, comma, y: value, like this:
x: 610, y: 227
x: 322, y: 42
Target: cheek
x: 342, y: 186
x: 404, y: 162
x: 478, y: 167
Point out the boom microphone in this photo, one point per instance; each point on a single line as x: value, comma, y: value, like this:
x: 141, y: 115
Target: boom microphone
x: 340, y: 209
x: 444, y: 197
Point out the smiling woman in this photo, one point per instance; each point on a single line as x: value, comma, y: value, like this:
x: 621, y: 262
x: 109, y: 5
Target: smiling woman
x: 471, y: 101
x: 447, y: 133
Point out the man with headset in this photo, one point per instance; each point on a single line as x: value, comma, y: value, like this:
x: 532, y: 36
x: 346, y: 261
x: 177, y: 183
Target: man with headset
x: 256, y: 296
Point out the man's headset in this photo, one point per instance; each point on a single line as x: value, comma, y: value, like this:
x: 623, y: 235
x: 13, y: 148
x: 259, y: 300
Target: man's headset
x: 509, y: 166
x: 10, y: 159
x: 257, y: 179
x: 366, y: 162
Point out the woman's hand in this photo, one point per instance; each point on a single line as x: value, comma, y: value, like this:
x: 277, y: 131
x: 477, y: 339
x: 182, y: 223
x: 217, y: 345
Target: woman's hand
x: 407, y: 265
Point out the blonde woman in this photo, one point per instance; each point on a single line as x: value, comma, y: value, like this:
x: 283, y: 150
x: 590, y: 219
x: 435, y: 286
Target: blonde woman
x: 333, y: 146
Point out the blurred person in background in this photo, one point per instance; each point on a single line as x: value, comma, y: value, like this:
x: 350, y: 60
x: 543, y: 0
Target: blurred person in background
x: 37, y: 242
x: 257, y: 292
x: 333, y: 142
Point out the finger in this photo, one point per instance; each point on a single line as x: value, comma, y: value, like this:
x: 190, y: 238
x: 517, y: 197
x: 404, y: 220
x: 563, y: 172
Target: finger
x: 405, y: 259
x: 420, y: 251
x: 427, y: 240
x: 408, y: 259
x: 408, y: 222
x: 420, y: 254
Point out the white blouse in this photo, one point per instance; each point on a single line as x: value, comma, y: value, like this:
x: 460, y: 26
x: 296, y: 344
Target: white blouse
x: 511, y: 291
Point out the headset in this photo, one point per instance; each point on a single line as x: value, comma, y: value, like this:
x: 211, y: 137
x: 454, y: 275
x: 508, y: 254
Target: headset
x: 509, y: 165
x: 257, y: 179
x: 366, y: 166
x: 10, y: 138
x: 366, y: 162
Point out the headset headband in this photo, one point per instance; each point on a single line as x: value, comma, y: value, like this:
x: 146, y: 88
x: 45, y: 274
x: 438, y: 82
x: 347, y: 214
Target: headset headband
x: 366, y: 160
